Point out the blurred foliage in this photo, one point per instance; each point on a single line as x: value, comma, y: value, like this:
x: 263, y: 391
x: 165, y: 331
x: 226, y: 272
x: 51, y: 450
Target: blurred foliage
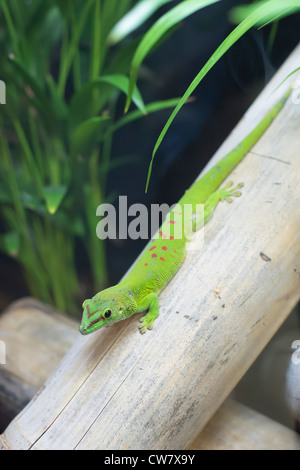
x: 63, y: 79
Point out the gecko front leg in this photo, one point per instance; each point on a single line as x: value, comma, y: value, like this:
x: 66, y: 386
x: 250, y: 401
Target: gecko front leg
x: 150, y: 303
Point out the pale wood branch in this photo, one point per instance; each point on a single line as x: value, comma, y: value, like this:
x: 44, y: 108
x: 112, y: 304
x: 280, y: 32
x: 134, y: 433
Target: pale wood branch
x: 237, y: 427
x: 42, y: 337
x: 36, y: 338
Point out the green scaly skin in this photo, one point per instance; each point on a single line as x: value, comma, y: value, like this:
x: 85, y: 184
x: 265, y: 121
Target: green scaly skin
x: 163, y: 256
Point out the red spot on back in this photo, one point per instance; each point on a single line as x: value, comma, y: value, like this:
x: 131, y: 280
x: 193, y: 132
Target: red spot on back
x: 146, y: 264
x: 171, y: 237
x: 172, y: 222
x: 154, y: 255
x: 162, y: 259
x: 164, y: 248
x: 152, y: 248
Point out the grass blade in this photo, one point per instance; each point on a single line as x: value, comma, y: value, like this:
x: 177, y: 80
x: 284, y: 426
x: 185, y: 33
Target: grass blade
x: 122, y: 82
x: 83, y: 99
x: 83, y: 136
x: 53, y: 196
x: 134, y: 19
x: 11, y: 243
x: 286, y: 78
x: 155, y: 33
x: 275, y: 9
x: 149, y: 108
x: 258, y: 15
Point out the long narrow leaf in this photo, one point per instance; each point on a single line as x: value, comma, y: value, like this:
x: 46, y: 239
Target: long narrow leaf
x: 11, y: 243
x: 81, y: 101
x: 275, y: 8
x: 83, y: 136
x: 150, y: 108
x: 53, y: 196
x: 122, y: 82
x: 259, y: 15
x: 286, y: 78
x: 155, y: 33
x: 134, y: 19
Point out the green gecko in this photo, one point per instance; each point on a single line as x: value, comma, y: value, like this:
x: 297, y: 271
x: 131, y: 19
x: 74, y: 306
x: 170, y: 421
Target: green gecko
x: 163, y: 256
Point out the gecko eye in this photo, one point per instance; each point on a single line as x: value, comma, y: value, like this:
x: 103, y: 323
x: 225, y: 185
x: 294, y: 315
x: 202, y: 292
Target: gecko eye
x: 107, y: 314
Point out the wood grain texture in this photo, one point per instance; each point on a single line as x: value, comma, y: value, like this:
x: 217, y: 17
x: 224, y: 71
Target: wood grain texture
x: 270, y: 384
x: 52, y: 334
x: 237, y: 427
x: 233, y: 427
x: 117, y: 389
x: 36, y: 338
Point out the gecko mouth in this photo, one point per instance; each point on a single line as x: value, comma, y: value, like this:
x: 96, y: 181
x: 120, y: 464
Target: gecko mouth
x: 84, y: 330
x: 94, y: 322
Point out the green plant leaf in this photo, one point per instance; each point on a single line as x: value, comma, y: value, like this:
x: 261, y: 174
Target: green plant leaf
x: 122, y: 82
x: 69, y: 223
x: 29, y: 79
x: 68, y: 54
x: 134, y: 19
x: 150, y: 108
x: 54, y: 195
x: 58, y: 102
x: 35, y: 92
x: 286, y: 78
x: 11, y: 243
x: 83, y: 100
x: 274, y: 9
x: 155, y: 33
x: 5, y: 197
x: 258, y: 15
x: 32, y: 202
x: 83, y: 138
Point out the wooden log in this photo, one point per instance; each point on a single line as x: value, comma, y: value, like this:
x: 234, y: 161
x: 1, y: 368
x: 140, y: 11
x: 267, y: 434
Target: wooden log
x: 237, y: 427
x: 117, y: 389
x: 277, y: 371
x: 32, y: 326
x: 36, y: 338
x: 293, y: 386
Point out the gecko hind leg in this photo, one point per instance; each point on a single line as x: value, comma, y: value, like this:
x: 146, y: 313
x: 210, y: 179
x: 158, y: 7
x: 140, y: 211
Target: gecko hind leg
x: 224, y: 194
x: 227, y: 194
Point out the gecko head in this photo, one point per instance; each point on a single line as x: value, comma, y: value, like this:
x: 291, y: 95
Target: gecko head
x: 100, y: 311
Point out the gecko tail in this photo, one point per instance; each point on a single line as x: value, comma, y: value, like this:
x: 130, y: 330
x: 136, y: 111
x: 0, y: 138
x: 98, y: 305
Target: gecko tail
x: 216, y: 175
